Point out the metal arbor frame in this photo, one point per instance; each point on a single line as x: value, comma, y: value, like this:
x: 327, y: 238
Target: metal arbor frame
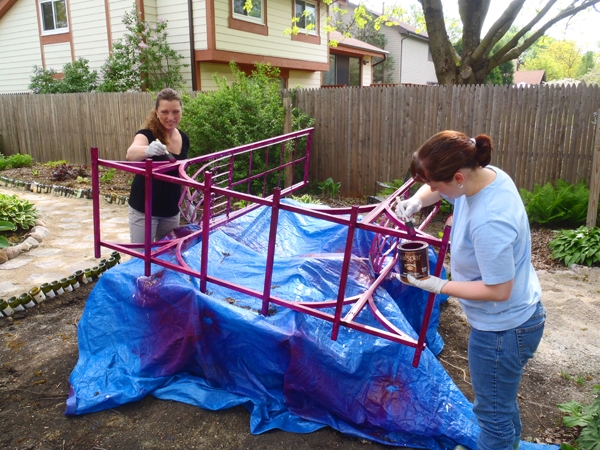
x: 217, y: 177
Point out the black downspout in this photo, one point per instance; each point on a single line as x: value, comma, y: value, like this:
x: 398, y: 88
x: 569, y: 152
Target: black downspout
x: 192, y: 46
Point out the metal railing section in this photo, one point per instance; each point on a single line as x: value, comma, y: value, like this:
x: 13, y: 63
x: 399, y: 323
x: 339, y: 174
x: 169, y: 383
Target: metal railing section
x: 217, y: 177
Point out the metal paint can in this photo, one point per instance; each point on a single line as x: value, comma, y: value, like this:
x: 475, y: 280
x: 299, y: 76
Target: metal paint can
x: 414, y: 260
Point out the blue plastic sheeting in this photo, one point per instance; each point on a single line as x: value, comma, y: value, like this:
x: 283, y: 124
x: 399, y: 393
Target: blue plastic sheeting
x: 160, y: 335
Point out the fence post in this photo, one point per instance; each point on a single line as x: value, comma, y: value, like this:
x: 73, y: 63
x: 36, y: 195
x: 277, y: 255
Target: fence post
x: 592, y: 212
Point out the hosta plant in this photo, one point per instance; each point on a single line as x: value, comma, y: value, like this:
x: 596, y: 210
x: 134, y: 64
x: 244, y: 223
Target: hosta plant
x: 587, y: 417
x: 580, y: 246
x: 17, y: 211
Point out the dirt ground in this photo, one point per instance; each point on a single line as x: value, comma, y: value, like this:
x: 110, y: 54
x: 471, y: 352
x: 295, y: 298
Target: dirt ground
x: 38, y: 351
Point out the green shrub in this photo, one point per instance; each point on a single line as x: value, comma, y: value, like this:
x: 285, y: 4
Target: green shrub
x: 248, y: 110
x: 43, y: 81
x: 580, y: 246
x: 588, y: 418
x: 15, y: 161
x: 563, y: 204
x: 17, y: 211
x: 77, y: 77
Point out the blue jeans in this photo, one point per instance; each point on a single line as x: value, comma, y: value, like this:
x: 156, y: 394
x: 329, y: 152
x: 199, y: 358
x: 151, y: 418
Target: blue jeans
x: 496, y: 362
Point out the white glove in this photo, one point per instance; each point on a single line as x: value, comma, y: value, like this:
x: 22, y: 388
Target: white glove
x: 156, y: 148
x: 431, y: 284
x: 405, y: 209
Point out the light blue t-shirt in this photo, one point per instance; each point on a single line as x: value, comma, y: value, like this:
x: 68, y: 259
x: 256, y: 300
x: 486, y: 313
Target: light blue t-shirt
x: 491, y: 241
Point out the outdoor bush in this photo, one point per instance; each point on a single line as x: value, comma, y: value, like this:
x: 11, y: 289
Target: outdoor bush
x: 580, y: 246
x: 19, y: 212
x: 248, y: 110
x: 563, y: 204
x: 43, y: 81
x: 15, y: 161
x: 142, y: 59
x: 77, y: 77
x: 588, y: 418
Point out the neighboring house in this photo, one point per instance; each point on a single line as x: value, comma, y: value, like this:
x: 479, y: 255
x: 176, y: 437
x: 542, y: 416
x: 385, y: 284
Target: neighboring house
x: 350, y: 61
x: 529, y: 77
x: 413, y: 63
x: 208, y: 33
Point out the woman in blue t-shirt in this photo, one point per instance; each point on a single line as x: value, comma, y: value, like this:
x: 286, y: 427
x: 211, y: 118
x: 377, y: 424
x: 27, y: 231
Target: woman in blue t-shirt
x: 492, y: 274
x: 161, y: 140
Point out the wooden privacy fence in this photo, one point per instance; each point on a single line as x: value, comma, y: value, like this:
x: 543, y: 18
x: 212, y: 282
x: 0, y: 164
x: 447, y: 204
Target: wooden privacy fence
x: 365, y: 135
x: 54, y: 127
x: 362, y: 135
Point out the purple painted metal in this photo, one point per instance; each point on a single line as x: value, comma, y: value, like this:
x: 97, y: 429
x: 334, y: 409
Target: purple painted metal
x: 271, y: 251
x: 148, y: 219
x: 208, y: 203
x: 96, y: 201
x: 344, y: 274
x: 205, y: 232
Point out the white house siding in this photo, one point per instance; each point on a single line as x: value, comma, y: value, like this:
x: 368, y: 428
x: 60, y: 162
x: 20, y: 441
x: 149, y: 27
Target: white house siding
x: 117, y: 9
x: 207, y: 72
x: 19, y: 48
x: 200, y: 36
x: 89, y: 30
x: 57, y: 55
x: 367, y: 72
x: 304, y: 79
x: 175, y: 12
x: 416, y: 66
x: 394, y: 46
x: 277, y: 45
x: 150, y: 11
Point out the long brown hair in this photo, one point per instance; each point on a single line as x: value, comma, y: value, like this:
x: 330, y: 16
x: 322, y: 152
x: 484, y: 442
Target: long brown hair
x: 446, y: 152
x: 152, y: 122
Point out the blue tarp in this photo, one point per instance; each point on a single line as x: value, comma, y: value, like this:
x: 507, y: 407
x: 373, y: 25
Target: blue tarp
x: 160, y: 335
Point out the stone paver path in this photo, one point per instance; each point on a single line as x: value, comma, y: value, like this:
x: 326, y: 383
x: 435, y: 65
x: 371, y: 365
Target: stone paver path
x: 69, y: 245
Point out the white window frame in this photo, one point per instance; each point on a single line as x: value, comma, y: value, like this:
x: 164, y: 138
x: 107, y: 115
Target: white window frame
x: 244, y: 15
x: 60, y: 30
x: 314, y: 4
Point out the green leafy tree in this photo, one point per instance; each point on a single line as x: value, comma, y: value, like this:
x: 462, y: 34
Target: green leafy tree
x: 588, y: 60
x: 560, y: 59
x: 593, y: 76
x: 142, y: 59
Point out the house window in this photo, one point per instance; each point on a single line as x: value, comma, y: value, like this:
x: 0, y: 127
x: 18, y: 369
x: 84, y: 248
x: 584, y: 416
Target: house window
x: 429, y: 55
x: 306, y: 13
x: 54, y: 16
x: 243, y: 11
x: 344, y: 70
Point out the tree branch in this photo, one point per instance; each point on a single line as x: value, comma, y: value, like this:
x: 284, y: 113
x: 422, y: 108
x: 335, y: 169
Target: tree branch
x: 515, y: 51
